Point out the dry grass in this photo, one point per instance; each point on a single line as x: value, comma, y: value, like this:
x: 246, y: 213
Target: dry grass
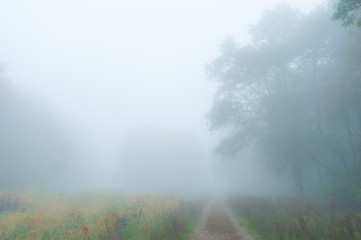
x: 92, y: 216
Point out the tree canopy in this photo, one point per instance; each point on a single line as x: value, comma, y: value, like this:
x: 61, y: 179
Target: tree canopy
x: 348, y: 11
x: 292, y: 94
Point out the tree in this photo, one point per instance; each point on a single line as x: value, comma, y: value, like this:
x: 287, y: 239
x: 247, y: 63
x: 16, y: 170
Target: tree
x: 271, y: 92
x: 33, y: 149
x: 348, y: 11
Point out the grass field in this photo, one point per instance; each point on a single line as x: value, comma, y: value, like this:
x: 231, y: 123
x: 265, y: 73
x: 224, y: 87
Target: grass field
x: 30, y: 215
x: 285, y: 219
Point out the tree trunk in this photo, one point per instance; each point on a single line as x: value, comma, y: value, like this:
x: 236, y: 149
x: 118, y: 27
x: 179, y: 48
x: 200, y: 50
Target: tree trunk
x: 298, y: 177
x: 349, y: 138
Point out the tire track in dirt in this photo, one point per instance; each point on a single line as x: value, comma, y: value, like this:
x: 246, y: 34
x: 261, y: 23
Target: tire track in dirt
x: 217, y: 223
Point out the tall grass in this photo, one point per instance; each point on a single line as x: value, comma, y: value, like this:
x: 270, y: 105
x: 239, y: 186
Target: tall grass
x: 94, y: 216
x: 9, y: 202
x: 294, y: 219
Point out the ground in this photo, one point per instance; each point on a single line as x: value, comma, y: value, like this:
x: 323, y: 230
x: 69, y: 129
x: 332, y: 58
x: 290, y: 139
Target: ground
x: 218, y: 223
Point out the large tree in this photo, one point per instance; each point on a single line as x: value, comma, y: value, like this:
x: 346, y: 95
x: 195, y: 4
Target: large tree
x: 271, y: 92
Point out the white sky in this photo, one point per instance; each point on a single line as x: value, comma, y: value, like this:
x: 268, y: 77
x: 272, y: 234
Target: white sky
x: 108, y: 66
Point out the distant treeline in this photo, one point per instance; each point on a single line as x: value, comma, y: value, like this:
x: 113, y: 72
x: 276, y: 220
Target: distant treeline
x: 33, y: 148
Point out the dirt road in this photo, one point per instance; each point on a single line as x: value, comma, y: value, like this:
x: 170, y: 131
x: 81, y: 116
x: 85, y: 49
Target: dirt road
x: 217, y: 223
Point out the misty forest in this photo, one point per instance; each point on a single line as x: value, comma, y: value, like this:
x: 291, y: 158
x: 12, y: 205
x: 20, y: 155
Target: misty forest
x: 197, y: 120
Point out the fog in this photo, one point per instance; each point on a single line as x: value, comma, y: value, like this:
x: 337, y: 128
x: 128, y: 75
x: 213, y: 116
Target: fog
x: 115, y: 95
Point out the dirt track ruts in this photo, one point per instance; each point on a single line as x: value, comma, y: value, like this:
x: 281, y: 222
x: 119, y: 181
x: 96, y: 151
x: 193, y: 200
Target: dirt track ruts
x: 217, y: 223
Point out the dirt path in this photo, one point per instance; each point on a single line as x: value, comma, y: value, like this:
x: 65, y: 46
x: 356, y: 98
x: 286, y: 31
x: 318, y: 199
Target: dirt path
x: 217, y: 223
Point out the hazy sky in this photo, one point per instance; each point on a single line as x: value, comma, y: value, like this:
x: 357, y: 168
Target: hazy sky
x: 108, y: 66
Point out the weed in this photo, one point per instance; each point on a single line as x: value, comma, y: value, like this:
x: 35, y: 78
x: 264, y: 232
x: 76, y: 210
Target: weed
x: 95, y: 216
x: 296, y: 219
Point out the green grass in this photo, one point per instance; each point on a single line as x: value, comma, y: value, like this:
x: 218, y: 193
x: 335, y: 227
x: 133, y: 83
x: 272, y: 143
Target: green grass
x: 245, y: 222
x: 193, y: 217
x: 287, y: 219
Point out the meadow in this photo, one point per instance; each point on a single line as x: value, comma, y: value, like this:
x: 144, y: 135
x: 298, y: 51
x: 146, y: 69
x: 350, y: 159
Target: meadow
x: 29, y: 215
x: 288, y: 219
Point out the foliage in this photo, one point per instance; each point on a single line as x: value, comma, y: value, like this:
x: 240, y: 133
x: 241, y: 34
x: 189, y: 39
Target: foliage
x: 348, y: 12
x: 293, y: 95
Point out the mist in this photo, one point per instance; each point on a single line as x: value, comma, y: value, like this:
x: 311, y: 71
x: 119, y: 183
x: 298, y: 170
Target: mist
x: 131, y: 96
